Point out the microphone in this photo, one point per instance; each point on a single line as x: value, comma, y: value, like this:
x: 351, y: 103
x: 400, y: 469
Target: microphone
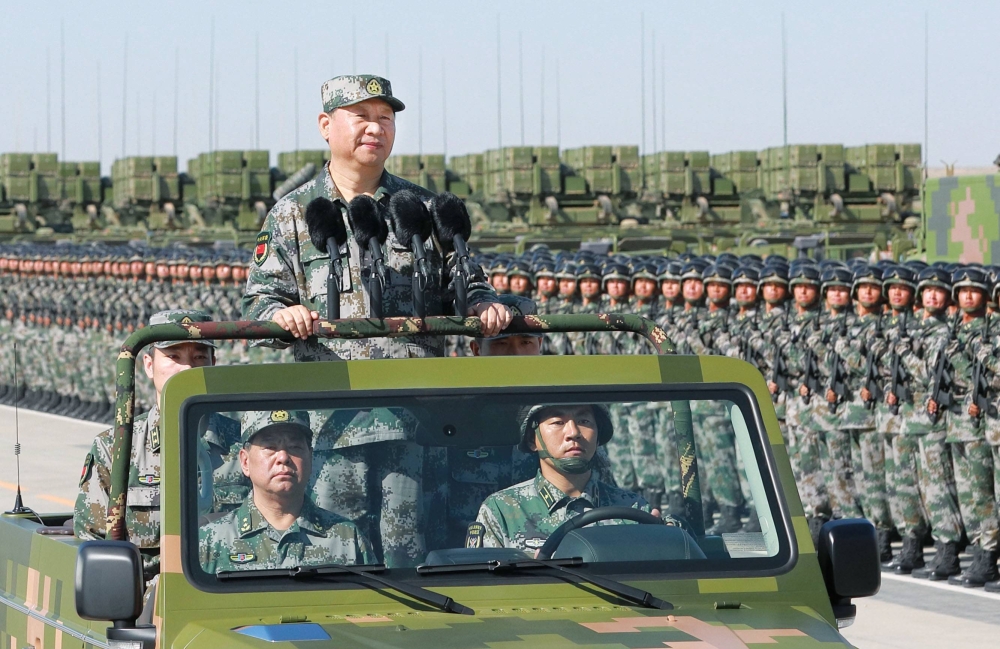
x: 453, y: 227
x: 367, y: 220
x: 328, y: 233
x: 412, y: 226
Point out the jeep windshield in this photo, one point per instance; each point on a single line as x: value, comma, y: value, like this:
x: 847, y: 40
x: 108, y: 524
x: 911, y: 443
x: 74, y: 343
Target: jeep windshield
x: 438, y: 484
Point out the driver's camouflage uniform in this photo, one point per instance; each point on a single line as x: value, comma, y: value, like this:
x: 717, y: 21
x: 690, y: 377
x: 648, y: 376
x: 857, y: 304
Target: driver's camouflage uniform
x: 244, y: 540
x: 523, y: 516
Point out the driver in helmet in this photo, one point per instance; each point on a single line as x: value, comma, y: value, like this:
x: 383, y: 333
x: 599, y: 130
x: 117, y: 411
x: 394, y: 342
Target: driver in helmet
x: 566, y: 438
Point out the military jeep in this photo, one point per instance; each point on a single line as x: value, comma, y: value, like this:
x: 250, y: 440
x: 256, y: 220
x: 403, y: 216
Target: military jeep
x: 637, y: 583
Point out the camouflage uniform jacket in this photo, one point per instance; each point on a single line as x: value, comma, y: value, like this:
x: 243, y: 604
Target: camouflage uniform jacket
x: 710, y: 334
x: 852, y: 352
x: 797, y: 354
x: 768, y: 342
x: 961, y: 352
x: 928, y: 337
x: 686, y: 325
x: 244, y: 540
x: 142, y: 514
x: 288, y: 270
x: 524, y: 515
x: 740, y: 331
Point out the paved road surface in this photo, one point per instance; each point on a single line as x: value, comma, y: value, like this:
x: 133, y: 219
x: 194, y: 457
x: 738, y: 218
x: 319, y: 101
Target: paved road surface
x: 52, y: 453
x: 906, y: 614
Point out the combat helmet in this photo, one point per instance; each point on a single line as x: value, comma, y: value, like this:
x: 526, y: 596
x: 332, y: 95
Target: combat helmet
x: 836, y: 276
x: 972, y: 277
x: 528, y: 420
x: 804, y: 274
x: 866, y: 275
x: 718, y: 273
x: 933, y: 276
x: 898, y: 274
x: 614, y: 270
x: 746, y: 274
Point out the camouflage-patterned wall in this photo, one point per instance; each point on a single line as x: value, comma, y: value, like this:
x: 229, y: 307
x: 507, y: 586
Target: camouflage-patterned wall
x: 962, y: 219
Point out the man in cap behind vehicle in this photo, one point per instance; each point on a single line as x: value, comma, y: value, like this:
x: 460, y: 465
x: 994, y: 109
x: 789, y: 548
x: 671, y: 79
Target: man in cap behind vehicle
x: 288, y: 276
x: 142, y: 514
x: 276, y: 526
x: 566, y: 438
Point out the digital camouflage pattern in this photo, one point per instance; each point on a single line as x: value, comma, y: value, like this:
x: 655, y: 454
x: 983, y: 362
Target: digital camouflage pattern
x: 524, y: 515
x: 244, y: 540
x: 349, y: 89
x: 963, y: 220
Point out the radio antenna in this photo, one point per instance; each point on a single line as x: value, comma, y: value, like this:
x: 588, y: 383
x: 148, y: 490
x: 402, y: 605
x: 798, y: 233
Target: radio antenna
x: 19, y: 507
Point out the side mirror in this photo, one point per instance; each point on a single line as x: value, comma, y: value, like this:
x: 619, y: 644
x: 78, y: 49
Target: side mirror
x: 109, y: 582
x: 849, y: 559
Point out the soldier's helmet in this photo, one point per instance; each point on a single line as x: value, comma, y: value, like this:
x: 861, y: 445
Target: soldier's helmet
x: 257, y: 421
x: 671, y: 270
x: 746, y: 275
x: 933, y: 276
x: 728, y: 258
x: 566, y: 270
x: 972, y: 277
x: 718, y: 273
x: 587, y: 270
x: 776, y: 274
x: 804, y: 274
x: 900, y: 275
x: 916, y: 265
x: 750, y: 258
x: 498, y: 266
x: 528, y: 418
x: 614, y: 270
x: 519, y: 268
x: 694, y: 269
x: 544, y: 268
x: 835, y: 276
x: 644, y: 270
x: 866, y: 275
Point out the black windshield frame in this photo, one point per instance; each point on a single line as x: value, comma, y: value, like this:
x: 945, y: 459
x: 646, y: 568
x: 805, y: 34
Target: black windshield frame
x: 740, y: 395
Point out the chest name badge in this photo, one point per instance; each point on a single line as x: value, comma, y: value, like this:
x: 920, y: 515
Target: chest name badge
x: 534, y: 542
x: 149, y: 479
x: 478, y: 454
x: 243, y: 557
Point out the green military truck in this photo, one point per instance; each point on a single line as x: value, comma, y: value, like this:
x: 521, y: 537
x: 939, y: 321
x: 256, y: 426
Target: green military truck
x: 614, y: 584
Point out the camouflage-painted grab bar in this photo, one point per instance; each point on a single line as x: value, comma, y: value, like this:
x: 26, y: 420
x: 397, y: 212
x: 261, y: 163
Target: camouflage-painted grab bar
x: 356, y: 328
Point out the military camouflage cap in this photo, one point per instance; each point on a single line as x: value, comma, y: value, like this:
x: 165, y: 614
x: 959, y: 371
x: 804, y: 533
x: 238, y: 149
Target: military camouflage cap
x: 350, y: 89
x: 519, y: 306
x: 256, y: 421
x: 179, y: 316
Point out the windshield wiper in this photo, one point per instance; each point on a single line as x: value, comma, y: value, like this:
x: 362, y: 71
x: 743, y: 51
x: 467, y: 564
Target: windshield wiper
x: 626, y: 592
x: 437, y: 600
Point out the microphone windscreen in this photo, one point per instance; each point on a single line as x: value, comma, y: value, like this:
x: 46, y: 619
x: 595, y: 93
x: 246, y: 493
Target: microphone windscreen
x: 450, y: 218
x: 409, y: 217
x: 367, y: 220
x: 323, y: 220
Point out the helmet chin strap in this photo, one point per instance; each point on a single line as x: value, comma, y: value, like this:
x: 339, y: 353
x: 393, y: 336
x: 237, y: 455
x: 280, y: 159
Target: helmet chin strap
x: 567, y: 465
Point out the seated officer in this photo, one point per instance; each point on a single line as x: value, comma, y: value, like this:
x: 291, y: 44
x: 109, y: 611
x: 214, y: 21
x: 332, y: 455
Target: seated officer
x: 277, y: 526
x: 566, y: 439
x: 142, y: 514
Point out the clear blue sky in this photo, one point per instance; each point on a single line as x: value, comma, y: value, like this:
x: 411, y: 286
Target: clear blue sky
x: 855, y: 73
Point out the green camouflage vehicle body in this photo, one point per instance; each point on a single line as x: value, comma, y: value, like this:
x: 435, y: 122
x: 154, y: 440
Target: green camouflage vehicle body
x: 962, y: 219
x: 790, y: 606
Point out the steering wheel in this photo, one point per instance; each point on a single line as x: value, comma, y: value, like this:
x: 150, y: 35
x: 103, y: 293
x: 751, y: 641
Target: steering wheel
x: 591, y: 517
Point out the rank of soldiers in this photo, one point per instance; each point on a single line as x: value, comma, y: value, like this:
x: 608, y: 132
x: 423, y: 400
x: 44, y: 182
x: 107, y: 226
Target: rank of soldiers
x: 884, y: 378
x: 65, y: 310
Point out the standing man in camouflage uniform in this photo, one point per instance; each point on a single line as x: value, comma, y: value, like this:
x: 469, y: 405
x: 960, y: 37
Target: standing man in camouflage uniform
x: 970, y: 453
x: 142, y: 515
x: 854, y: 352
x: 937, y: 477
x: 902, y: 451
x: 366, y: 476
